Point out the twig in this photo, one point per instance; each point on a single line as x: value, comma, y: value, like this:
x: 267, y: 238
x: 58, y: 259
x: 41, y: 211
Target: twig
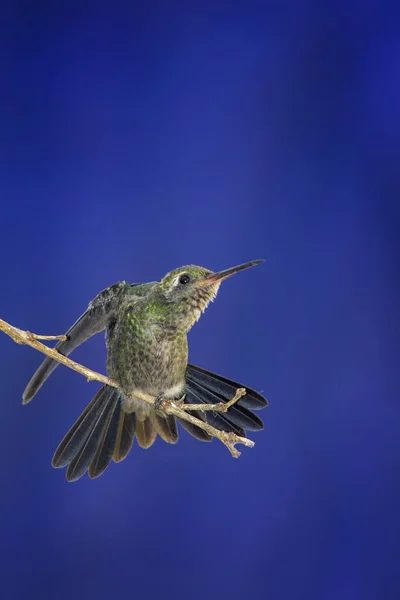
x: 219, y: 407
x: 30, y: 339
x: 176, y: 408
x: 61, y: 338
x: 229, y: 439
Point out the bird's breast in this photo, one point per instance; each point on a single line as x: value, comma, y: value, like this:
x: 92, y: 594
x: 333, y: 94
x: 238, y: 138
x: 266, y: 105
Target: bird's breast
x: 144, y: 357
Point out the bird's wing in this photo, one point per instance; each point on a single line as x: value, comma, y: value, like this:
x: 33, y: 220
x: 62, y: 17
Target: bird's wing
x: 98, y: 315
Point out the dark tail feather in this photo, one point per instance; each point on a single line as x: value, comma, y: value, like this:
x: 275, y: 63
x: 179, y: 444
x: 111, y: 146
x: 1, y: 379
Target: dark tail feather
x: 166, y: 427
x: 217, y: 420
x: 105, y: 449
x: 79, y: 465
x: 79, y: 445
x: 195, y: 431
x: 203, y: 387
x: 225, y: 387
x: 77, y: 435
x: 146, y: 433
x: 125, y: 435
x: 236, y: 415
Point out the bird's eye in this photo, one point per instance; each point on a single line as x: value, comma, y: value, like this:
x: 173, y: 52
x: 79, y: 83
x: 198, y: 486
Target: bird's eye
x: 184, y: 279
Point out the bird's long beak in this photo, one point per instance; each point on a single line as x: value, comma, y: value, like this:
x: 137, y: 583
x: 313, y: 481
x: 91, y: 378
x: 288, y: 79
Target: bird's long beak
x: 217, y: 277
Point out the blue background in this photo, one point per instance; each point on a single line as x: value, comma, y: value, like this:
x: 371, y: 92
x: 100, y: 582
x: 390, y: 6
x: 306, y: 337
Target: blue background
x: 132, y: 141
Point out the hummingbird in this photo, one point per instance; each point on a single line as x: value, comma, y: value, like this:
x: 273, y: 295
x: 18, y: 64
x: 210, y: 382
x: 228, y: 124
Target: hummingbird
x: 147, y: 352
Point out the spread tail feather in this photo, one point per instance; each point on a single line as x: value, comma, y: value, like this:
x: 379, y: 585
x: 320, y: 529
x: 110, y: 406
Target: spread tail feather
x: 145, y: 431
x: 105, y: 432
x: 106, y: 446
x: 79, y: 432
x: 225, y: 387
x: 91, y: 440
x: 204, y: 387
x: 125, y: 435
x: 195, y: 431
x: 166, y: 427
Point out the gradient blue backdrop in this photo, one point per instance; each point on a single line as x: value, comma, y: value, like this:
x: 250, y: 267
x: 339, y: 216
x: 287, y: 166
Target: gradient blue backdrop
x: 134, y: 140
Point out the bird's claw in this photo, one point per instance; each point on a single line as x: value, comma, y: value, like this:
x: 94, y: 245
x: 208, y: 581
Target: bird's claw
x: 160, y: 404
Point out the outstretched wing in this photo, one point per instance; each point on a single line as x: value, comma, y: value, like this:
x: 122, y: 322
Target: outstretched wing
x: 98, y: 315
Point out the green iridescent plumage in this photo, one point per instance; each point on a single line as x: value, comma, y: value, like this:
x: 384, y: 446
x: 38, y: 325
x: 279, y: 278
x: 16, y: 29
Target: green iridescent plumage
x: 147, y: 352
x: 147, y: 347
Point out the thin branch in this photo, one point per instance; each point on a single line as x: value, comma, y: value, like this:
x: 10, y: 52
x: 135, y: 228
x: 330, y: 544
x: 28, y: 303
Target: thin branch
x: 31, y: 339
x: 219, y: 407
x: 61, y: 338
x: 177, y: 408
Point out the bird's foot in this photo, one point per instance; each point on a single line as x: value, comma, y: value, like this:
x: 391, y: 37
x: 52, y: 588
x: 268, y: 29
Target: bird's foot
x: 161, y: 404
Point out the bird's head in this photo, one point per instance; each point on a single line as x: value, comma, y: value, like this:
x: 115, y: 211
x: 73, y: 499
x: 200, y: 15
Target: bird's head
x: 190, y: 289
